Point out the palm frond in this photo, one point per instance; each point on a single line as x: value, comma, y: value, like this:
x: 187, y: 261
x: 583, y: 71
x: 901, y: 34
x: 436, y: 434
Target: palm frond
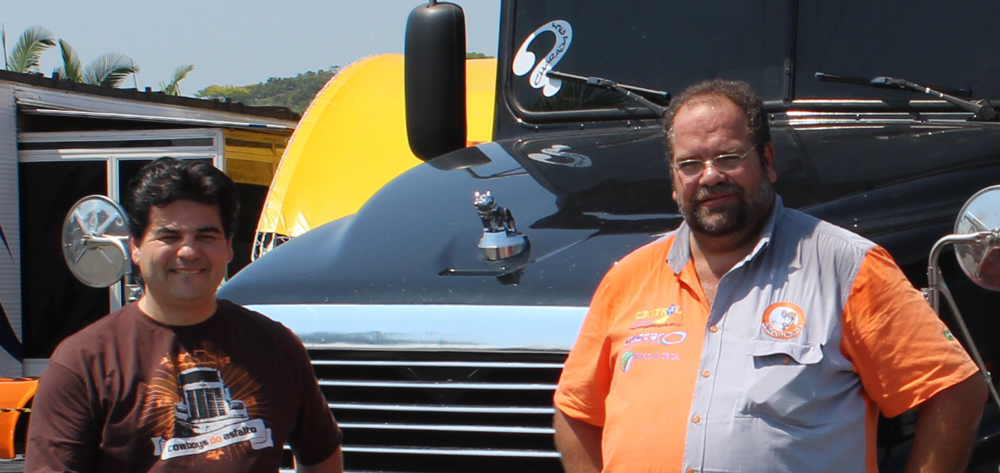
x: 24, y: 57
x: 71, y: 69
x: 173, y: 86
x: 109, y: 70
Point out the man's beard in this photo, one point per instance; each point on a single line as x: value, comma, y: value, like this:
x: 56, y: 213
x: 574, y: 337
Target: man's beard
x: 748, y: 210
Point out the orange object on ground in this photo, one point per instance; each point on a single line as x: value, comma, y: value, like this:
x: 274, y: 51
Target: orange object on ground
x: 15, y: 394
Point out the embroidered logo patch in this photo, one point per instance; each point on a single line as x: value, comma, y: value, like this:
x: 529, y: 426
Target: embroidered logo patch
x: 783, y: 320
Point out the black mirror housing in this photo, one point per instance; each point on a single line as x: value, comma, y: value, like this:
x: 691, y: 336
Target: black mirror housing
x: 435, y: 79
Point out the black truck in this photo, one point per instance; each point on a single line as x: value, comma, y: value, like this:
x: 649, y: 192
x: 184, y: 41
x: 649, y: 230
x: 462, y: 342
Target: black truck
x: 438, y: 319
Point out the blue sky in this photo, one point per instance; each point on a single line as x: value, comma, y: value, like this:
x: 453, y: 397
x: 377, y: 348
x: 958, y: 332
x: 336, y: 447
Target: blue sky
x: 233, y: 42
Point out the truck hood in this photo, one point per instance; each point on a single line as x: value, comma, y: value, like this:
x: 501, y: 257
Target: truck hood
x: 586, y: 199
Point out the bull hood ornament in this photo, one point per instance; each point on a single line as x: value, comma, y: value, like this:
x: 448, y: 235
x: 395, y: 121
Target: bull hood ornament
x: 500, y: 240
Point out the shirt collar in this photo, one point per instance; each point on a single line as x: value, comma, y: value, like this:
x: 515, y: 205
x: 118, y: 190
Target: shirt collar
x: 680, y: 251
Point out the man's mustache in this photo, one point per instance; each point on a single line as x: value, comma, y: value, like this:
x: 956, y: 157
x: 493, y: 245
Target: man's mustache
x: 721, y: 187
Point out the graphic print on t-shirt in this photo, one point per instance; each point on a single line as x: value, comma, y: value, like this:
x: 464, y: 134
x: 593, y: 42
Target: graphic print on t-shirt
x: 201, y: 403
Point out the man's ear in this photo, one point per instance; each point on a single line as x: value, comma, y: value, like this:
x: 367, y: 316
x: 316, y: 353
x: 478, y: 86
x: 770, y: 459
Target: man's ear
x: 767, y: 159
x: 229, y: 246
x: 134, y: 250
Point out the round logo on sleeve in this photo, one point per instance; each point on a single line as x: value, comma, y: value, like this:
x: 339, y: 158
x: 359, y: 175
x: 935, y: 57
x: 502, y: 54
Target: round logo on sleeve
x: 783, y: 320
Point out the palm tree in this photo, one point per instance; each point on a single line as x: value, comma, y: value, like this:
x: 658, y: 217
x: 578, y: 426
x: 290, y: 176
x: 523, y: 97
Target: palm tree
x: 173, y: 87
x: 108, y: 70
x: 71, y: 69
x: 28, y: 49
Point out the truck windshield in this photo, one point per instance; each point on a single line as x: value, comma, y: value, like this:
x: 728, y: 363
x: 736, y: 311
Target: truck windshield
x: 670, y: 44
x: 663, y: 45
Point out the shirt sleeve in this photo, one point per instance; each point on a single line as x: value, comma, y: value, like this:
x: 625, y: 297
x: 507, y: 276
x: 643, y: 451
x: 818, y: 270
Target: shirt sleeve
x: 62, y: 433
x: 586, y: 376
x: 316, y: 435
x: 902, y: 351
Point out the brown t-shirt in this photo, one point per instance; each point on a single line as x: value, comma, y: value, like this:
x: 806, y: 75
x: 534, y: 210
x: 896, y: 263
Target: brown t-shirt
x: 129, y: 394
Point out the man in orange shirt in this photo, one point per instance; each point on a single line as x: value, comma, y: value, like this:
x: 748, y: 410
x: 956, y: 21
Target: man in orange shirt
x: 755, y: 337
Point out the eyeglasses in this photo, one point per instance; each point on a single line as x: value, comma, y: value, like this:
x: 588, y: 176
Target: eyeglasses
x: 721, y: 163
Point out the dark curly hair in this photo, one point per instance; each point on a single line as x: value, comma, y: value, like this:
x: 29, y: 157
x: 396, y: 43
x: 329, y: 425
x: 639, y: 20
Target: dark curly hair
x: 739, y: 93
x: 166, y: 180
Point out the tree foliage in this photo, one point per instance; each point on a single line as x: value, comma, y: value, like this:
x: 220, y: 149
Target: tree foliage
x: 72, y: 68
x: 293, y: 92
x: 29, y: 48
x: 173, y: 87
x: 109, y: 70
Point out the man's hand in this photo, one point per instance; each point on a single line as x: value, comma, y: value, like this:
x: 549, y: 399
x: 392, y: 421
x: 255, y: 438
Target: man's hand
x: 334, y: 464
x: 579, y: 443
x: 946, y: 428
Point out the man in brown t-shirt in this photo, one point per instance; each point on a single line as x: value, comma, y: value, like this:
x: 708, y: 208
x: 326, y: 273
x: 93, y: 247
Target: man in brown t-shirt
x: 181, y: 381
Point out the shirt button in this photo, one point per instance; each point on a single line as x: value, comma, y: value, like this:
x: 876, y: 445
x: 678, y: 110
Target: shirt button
x: 705, y: 374
x: 785, y: 360
x: 696, y: 419
x: 713, y: 329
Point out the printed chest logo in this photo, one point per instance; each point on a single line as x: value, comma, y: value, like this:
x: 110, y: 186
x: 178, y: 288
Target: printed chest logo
x: 630, y: 357
x: 660, y: 338
x: 783, y: 320
x: 200, y: 403
x: 672, y: 316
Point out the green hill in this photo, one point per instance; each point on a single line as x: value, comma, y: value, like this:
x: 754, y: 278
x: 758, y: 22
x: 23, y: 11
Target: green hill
x: 292, y: 92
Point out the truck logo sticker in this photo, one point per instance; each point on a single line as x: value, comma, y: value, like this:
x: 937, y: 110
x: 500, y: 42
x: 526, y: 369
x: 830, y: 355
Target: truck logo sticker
x: 558, y: 155
x: 200, y: 402
x: 783, y: 320
x: 524, y: 60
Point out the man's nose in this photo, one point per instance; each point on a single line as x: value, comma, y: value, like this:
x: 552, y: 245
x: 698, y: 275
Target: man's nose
x: 710, y: 175
x: 188, y: 249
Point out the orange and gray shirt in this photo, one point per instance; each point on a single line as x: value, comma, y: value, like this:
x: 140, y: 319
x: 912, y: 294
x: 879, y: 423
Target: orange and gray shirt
x: 809, y: 337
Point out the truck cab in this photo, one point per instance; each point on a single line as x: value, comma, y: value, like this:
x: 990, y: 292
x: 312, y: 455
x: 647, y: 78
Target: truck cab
x: 439, y: 349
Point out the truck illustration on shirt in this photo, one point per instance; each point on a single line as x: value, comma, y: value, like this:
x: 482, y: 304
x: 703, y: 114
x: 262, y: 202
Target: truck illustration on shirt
x: 206, y: 404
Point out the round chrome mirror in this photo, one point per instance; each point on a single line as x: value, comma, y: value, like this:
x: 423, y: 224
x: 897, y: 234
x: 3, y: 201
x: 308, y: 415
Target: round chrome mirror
x: 981, y: 213
x: 94, y: 239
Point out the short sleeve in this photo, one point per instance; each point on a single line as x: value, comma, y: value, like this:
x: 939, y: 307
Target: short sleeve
x: 902, y: 351
x: 62, y: 434
x: 586, y: 377
x: 316, y: 435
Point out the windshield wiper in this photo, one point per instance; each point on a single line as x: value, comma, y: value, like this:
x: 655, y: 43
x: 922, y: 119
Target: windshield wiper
x: 982, y: 109
x: 633, y: 92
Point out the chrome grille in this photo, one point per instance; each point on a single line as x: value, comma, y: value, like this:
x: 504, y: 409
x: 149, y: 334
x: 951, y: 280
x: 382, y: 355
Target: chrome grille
x: 206, y: 403
x: 442, y: 411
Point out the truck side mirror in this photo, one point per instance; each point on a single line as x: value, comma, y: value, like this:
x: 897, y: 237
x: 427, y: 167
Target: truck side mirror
x: 980, y: 262
x: 434, y: 75
x: 977, y: 243
x: 94, y: 240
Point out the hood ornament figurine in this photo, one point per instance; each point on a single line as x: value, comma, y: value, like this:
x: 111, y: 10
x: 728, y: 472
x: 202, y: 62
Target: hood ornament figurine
x: 500, y: 240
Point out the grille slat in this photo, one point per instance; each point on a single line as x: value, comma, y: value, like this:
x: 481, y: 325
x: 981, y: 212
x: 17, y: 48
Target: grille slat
x: 438, y: 385
x: 445, y: 408
x: 454, y: 452
x: 452, y: 428
x: 438, y: 364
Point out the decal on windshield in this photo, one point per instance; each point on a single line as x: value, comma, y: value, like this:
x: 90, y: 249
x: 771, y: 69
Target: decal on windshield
x: 558, y: 155
x: 524, y: 60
